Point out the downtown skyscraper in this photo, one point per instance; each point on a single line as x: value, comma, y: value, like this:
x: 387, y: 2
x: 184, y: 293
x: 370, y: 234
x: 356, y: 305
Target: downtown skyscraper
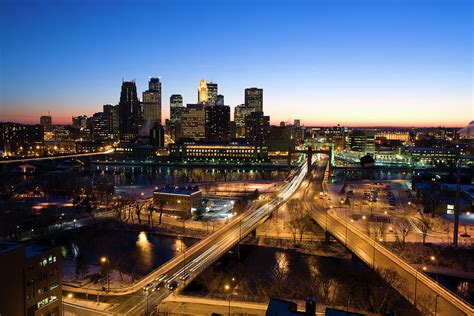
x: 130, y: 116
x: 211, y: 93
x: 218, y: 123
x: 254, y: 99
x: 151, y: 105
x: 176, y: 108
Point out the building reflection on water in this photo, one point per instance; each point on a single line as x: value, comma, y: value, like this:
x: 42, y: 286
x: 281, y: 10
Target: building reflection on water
x: 145, y: 250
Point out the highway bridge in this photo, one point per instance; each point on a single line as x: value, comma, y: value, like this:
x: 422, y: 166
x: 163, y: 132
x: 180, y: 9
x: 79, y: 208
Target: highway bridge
x: 133, y: 300
x: 425, y: 293
x: 49, y: 158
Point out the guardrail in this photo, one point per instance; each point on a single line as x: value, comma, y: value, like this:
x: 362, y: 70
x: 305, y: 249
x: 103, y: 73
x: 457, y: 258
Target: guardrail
x: 169, y: 265
x: 435, y: 299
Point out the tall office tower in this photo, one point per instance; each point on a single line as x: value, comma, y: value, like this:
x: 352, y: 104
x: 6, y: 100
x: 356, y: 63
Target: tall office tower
x: 296, y: 123
x: 151, y: 105
x: 130, y: 116
x: 47, y: 122
x: 102, y: 125
x: 211, y: 93
x: 113, y: 111
x: 254, y: 99
x: 202, y: 92
x: 193, y: 122
x: 176, y: 108
x: 257, y: 128
x: 218, y: 123
x: 220, y: 100
x: 241, y: 112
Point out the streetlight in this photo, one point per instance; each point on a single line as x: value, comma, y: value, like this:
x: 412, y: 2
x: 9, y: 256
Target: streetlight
x: 227, y: 288
x: 104, y: 260
x: 434, y: 259
x: 416, y: 283
x: 74, y: 222
x: 146, y: 294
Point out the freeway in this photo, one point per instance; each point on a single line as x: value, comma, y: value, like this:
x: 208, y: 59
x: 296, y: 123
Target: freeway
x: 33, y: 159
x: 136, y: 301
x: 425, y: 293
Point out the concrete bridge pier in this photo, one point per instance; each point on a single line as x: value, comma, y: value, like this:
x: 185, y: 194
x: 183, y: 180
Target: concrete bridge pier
x: 310, y: 158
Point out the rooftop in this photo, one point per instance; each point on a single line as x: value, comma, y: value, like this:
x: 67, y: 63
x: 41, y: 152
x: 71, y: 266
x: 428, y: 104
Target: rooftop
x: 31, y: 250
x: 180, y: 191
x: 7, y: 246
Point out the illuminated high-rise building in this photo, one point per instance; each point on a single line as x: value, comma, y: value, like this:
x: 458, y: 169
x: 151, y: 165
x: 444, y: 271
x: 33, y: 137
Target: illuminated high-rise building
x: 241, y: 112
x: 130, y: 116
x: 254, y: 99
x: 102, y: 125
x: 218, y: 123
x: 211, y: 93
x: 176, y: 108
x: 113, y: 111
x: 203, y: 97
x: 152, y: 104
x: 193, y: 122
x: 47, y: 123
x: 257, y: 128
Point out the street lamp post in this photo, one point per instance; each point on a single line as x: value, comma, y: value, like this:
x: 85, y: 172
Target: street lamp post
x: 373, y: 255
x: 227, y: 288
x: 106, y: 260
x: 146, y: 294
x: 433, y: 259
x: 416, y: 284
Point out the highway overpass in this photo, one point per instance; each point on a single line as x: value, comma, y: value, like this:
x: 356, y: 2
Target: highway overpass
x: 48, y: 158
x: 133, y: 300
x: 426, y: 294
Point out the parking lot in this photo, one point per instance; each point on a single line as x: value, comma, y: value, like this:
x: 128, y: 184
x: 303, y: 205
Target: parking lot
x: 375, y: 198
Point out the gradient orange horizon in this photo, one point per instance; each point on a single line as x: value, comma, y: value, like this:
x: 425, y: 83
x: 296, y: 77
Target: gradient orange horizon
x: 65, y: 120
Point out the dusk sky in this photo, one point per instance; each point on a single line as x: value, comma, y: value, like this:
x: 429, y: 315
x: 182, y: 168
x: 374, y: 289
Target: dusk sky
x: 353, y: 62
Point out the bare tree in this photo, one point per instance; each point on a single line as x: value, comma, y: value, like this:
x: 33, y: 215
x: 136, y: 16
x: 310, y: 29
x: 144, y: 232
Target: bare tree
x: 425, y: 224
x: 161, y: 205
x: 150, y: 209
x: 139, y: 205
x: 382, y: 295
x: 431, y: 198
x: 368, y: 226
x: 292, y: 224
x: 403, y: 227
x: 382, y: 227
x: 280, y: 276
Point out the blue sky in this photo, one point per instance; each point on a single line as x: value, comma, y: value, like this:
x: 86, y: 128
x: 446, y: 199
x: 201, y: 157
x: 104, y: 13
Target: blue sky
x: 354, y: 62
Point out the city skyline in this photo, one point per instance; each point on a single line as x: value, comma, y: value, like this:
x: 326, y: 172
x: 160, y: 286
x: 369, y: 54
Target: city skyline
x: 417, y: 64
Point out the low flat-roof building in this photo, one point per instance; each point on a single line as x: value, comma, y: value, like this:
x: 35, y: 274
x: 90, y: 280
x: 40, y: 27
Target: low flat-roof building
x: 431, y: 156
x: 202, y: 151
x: 31, y: 280
x: 179, y: 201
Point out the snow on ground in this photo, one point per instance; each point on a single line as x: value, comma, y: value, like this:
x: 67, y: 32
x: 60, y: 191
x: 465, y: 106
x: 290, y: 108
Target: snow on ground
x: 117, y: 280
